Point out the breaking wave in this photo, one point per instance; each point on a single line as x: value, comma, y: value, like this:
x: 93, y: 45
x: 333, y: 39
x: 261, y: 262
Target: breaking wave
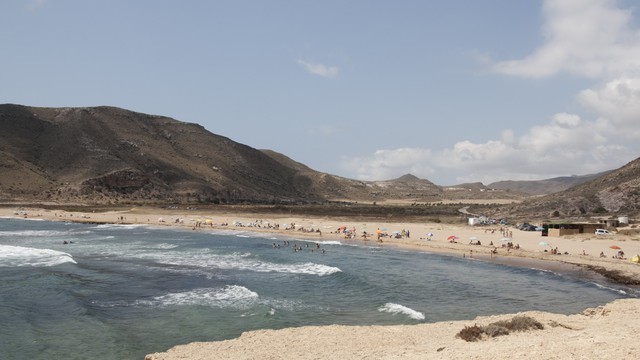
x: 239, y: 261
x: 230, y: 296
x: 24, y: 256
x: 400, y: 309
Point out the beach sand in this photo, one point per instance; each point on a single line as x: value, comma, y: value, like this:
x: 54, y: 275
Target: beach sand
x: 605, y: 334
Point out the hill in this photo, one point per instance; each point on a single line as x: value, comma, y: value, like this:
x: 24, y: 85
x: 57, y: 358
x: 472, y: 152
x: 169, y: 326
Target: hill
x: 546, y: 186
x: 107, y: 155
x: 615, y: 193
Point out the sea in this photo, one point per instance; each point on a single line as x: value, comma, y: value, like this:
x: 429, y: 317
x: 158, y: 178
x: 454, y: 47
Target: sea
x: 123, y: 291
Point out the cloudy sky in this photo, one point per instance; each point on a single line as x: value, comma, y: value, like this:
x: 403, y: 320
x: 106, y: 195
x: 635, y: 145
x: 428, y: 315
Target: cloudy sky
x: 451, y: 91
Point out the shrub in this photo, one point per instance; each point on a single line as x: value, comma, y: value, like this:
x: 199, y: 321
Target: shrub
x: 470, y: 333
x: 499, y: 328
x: 495, y: 330
x: 523, y: 323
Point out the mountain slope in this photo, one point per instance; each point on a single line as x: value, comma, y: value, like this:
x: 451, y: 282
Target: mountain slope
x: 546, y: 186
x: 617, y: 192
x: 332, y: 187
x: 106, y: 153
x: 109, y: 155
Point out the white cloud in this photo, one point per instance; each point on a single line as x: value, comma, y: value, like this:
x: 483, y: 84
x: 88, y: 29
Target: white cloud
x: 565, y: 145
x: 319, y: 69
x: 589, y: 38
x: 617, y: 103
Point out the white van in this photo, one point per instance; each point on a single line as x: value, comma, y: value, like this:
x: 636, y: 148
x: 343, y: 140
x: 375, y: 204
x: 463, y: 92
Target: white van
x: 603, y: 232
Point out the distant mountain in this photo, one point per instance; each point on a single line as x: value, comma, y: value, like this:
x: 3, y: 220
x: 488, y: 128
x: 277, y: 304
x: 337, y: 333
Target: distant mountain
x: 616, y: 192
x: 332, y: 187
x: 544, y: 187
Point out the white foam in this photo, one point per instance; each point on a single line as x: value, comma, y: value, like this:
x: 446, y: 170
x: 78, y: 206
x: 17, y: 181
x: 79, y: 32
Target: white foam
x: 399, y: 309
x: 329, y: 242
x: 234, y: 296
x: 619, y: 291
x: 24, y: 256
x: 166, y: 246
x: 41, y: 233
x: 207, y: 259
x: 120, y: 226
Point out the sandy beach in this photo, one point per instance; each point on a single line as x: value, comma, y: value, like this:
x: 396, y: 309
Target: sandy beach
x: 606, y: 332
x: 602, y: 333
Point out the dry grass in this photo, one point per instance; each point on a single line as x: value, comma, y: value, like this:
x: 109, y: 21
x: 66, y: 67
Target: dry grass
x: 499, y: 328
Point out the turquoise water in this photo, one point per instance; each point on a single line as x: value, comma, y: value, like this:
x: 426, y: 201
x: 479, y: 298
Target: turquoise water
x: 122, y: 291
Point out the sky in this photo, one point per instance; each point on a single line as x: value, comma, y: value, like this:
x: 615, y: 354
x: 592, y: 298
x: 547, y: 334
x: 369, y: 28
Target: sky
x: 451, y: 91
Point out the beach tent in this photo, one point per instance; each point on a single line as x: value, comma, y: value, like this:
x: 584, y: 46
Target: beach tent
x: 636, y: 259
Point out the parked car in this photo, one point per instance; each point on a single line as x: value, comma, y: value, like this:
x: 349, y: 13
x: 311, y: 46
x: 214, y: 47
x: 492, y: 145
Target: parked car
x: 603, y: 232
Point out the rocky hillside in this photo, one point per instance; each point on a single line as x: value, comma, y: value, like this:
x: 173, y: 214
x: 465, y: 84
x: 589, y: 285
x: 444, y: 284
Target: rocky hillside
x: 109, y: 155
x: 106, y: 155
x: 616, y: 193
x: 546, y: 186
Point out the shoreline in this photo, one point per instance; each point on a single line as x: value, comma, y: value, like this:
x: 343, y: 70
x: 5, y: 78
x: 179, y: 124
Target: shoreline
x: 530, y: 254
x: 605, y: 332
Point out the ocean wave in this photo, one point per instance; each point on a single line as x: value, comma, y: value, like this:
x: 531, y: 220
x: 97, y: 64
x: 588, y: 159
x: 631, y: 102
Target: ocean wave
x: 165, y: 246
x: 23, y: 256
x: 619, y: 291
x: 245, y: 261
x: 329, y: 242
x: 119, y: 226
x: 400, y: 309
x: 261, y: 266
x: 230, y: 296
x: 42, y: 233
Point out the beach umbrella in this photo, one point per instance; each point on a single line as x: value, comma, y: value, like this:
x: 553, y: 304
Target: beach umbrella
x: 505, y: 239
x: 452, y: 237
x: 615, y: 247
x: 473, y: 238
x: 429, y: 234
x: 542, y: 243
x: 636, y: 259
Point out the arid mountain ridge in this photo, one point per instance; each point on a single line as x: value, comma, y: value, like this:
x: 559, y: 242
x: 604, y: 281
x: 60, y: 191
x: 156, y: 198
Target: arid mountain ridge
x: 108, y: 155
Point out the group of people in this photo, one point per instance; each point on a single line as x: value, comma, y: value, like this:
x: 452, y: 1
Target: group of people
x: 297, y: 248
